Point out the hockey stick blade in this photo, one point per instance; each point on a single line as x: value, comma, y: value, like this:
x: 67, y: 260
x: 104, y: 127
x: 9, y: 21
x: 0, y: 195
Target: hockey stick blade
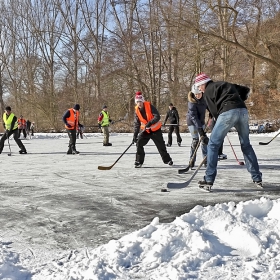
x: 266, y: 143
x: 105, y: 167
x: 184, y: 170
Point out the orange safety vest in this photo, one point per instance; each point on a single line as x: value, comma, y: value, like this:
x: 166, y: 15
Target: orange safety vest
x: 73, y: 120
x: 21, y: 123
x: 147, y: 106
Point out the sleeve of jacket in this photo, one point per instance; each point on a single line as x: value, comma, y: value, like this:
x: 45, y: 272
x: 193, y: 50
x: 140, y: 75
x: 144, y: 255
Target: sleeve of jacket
x: 193, y: 115
x: 13, y: 122
x: 65, y: 116
x: 166, y: 117
x: 155, y: 114
x: 100, y: 117
x: 243, y: 92
x: 137, y: 125
x: 177, y: 116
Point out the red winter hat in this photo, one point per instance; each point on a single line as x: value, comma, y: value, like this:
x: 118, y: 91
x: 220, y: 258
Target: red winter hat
x: 139, y: 97
x: 201, y: 79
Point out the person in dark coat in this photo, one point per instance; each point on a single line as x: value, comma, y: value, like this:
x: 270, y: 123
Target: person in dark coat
x: 196, y: 122
x: 173, y: 116
x: 225, y: 101
x: 11, y: 126
x: 147, y: 118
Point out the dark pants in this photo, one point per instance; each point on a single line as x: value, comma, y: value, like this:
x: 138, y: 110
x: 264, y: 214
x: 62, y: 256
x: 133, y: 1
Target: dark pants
x: 16, y: 138
x: 157, y: 137
x: 23, y: 131
x: 176, y: 129
x: 72, y: 140
x: 80, y: 133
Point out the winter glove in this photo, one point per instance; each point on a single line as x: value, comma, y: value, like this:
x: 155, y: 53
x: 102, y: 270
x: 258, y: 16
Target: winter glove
x: 201, y: 132
x: 164, y: 124
x: 135, y: 139
x: 112, y: 122
x: 7, y: 131
x: 147, y: 126
x: 205, y: 140
x: 68, y: 125
x: 99, y: 125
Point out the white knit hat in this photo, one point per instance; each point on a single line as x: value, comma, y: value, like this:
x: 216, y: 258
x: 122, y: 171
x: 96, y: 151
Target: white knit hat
x: 201, y: 79
x: 139, y: 97
x: 195, y: 90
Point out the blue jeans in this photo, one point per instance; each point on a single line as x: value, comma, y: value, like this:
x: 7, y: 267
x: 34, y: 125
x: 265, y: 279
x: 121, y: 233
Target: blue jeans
x: 194, y: 133
x: 239, y: 119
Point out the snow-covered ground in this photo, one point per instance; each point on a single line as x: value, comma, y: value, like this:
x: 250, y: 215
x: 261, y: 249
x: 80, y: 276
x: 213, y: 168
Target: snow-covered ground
x: 62, y: 218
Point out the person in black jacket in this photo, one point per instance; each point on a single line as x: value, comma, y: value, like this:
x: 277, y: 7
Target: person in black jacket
x: 196, y: 122
x: 173, y: 116
x: 147, y: 118
x: 225, y: 101
x: 11, y: 126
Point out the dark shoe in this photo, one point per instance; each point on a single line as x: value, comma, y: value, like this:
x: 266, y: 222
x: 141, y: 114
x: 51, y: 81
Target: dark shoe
x: 69, y: 152
x: 168, y: 145
x: 258, y: 184
x: 108, y: 144
x: 222, y: 156
x: 22, y: 152
x: 204, y: 183
x: 137, y: 164
x: 170, y: 163
x: 179, y: 144
x: 74, y: 152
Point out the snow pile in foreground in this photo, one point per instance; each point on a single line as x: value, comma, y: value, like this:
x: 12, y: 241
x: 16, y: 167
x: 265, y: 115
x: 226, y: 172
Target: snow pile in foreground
x: 225, y: 241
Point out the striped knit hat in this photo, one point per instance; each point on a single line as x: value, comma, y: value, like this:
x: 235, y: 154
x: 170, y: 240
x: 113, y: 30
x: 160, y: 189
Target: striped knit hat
x: 139, y: 97
x: 201, y: 79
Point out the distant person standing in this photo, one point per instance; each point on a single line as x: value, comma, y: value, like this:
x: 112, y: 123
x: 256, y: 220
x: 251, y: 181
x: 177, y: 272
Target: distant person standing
x: 147, y: 118
x: 80, y: 132
x: 28, y: 124
x: 11, y: 126
x: 104, y: 123
x: 71, y: 121
x: 173, y: 116
x: 32, y: 128
x: 225, y: 101
x: 22, y: 127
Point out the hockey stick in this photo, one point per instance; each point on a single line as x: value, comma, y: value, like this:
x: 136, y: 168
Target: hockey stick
x: 263, y: 143
x: 111, y: 166
x: 185, y: 184
x: 9, y: 154
x: 184, y: 170
x: 239, y: 162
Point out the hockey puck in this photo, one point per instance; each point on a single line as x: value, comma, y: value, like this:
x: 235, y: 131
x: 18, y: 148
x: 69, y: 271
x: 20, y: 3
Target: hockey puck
x: 163, y: 190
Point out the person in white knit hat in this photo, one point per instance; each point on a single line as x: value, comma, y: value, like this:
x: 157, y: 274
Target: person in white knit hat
x: 147, y: 118
x: 225, y: 101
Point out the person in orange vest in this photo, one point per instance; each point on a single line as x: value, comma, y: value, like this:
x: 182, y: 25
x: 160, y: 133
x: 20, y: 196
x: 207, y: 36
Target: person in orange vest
x: 21, y: 127
x: 147, y: 118
x: 11, y: 127
x: 71, y: 121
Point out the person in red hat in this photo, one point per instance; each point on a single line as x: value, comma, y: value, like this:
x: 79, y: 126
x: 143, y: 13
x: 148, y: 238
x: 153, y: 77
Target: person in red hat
x: 147, y: 118
x: 71, y: 121
x: 225, y: 101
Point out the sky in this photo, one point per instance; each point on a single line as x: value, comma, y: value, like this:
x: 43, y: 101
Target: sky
x: 234, y: 239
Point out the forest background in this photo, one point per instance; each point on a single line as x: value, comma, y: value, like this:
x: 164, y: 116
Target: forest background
x: 55, y: 53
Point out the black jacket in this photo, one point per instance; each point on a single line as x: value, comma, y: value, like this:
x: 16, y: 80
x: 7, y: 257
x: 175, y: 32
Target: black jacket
x: 137, y: 122
x: 223, y: 96
x: 196, y: 111
x: 173, y: 116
